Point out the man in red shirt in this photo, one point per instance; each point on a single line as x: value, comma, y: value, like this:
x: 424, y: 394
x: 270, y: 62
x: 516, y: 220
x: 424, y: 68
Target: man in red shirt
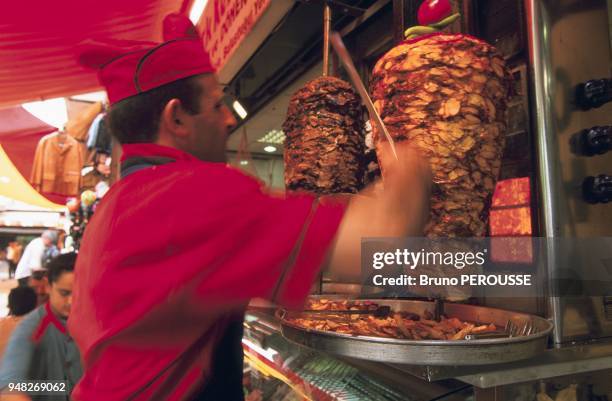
x: 182, y: 242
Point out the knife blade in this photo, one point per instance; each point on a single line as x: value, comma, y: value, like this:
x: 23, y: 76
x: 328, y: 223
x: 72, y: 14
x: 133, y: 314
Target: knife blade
x: 338, y: 45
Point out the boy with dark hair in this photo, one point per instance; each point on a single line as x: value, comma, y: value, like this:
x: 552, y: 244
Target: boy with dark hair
x: 40, y: 347
x: 21, y: 300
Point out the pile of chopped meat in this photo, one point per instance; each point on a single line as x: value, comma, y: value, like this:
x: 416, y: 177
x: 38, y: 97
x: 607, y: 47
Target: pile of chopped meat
x: 401, y: 325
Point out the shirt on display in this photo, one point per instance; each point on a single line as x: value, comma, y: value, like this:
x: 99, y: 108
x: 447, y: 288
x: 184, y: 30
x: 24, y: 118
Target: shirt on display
x: 78, y: 127
x: 57, y: 165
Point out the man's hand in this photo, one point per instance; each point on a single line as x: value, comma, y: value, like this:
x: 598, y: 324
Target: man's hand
x: 407, y: 181
x: 409, y: 167
x: 400, y: 209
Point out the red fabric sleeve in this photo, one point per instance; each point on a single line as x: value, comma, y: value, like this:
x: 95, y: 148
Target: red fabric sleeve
x: 311, y: 250
x: 172, y: 251
x: 280, y: 244
x: 199, y: 242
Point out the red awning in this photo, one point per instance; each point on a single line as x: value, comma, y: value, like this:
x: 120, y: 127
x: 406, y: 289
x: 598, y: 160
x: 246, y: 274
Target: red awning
x: 38, y: 39
x: 20, y: 132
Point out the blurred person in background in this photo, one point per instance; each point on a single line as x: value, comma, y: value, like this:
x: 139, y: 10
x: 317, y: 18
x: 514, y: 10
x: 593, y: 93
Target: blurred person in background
x: 39, y: 283
x: 13, y: 254
x: 21, y: 301
x: 5, y: 266
x: 40, y: 348
x: 35, y: 253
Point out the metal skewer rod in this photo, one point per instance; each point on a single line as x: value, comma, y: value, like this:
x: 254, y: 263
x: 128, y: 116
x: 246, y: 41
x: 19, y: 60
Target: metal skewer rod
x: 338, y: 44
x: 326, y: 30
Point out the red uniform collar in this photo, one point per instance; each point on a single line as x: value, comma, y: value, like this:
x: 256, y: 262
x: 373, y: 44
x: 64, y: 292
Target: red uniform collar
x: 153, y: 150
x: 49, y: 318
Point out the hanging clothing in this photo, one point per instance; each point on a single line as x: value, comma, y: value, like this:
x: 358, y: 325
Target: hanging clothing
x: 99, y: 144
x: 57, y: 165
x: 92, y: 133
x: 169, y: 261
x: 78, y: 127
x: 103, y: 142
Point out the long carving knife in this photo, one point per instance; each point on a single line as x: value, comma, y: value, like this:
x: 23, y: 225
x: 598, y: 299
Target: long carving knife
x: 338, y: 45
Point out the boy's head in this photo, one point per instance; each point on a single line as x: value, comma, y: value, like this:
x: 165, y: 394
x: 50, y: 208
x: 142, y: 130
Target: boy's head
x: 21, y: 300
x: 61, y: 278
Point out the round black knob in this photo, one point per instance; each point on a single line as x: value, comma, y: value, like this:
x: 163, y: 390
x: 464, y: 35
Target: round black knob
x: 597, y: 189
x: 594, y: 93
x: 592, y: 141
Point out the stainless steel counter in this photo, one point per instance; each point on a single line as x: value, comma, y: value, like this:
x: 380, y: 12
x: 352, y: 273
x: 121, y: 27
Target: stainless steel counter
x: 556, y: 362
x: 565, y: 361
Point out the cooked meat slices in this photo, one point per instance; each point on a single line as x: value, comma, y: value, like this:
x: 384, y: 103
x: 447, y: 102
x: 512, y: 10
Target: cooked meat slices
x: 325, y: 143
x: 447, y: 95
x: 400, y: 325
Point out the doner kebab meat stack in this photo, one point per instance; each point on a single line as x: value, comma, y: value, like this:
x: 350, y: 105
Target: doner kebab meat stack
x: 324, y: 146
x: 446, y: 94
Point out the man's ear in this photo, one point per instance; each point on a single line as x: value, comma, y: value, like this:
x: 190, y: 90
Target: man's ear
x: 173, y: 119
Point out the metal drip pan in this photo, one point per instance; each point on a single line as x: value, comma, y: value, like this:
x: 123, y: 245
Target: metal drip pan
x: 428, y: 352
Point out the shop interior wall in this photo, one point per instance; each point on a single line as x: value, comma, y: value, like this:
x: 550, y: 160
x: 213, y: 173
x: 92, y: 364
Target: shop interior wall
x: 270, y: 170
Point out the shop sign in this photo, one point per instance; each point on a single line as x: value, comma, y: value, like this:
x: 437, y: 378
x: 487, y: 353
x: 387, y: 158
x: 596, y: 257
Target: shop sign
x: 225, y: 24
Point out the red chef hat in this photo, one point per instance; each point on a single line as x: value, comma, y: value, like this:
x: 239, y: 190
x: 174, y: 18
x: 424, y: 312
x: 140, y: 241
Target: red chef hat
x: 127, y: 68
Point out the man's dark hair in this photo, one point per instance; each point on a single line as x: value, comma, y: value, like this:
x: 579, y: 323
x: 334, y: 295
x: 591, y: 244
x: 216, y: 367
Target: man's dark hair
x: 61, y: 264
x: 136, y: 118
x: 21, y: 300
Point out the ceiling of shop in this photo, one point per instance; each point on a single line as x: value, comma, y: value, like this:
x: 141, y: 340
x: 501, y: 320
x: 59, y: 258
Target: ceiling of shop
x: 270, y: 117
x: 38, y: 54
x: 273, y: 16
x: 290, y: 57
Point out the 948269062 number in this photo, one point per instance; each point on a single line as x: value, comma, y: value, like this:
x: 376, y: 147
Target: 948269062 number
x: 37, y: 387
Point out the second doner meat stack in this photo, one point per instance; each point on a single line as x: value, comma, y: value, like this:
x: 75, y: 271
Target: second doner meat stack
x: 325, y: 145
x: 447, y: 95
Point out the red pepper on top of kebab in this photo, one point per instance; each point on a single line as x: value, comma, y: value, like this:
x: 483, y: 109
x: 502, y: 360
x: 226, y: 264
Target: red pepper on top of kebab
x: 433, y: 15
